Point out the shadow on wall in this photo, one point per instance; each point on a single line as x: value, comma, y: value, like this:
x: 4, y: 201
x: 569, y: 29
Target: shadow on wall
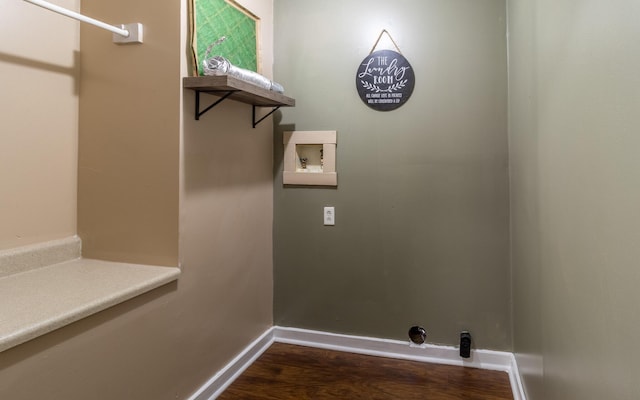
x: 278, y: 147
x: 73, y: 71
x: 222, y: 149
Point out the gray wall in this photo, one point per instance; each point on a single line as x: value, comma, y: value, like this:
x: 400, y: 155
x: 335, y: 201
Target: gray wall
x: 574, y: 117
x: 422, y: 208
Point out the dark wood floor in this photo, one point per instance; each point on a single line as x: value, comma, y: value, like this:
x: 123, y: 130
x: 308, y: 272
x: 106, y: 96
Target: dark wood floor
x: 294, y: 372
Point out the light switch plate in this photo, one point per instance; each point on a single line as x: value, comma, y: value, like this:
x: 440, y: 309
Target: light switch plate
x: 329, y: 216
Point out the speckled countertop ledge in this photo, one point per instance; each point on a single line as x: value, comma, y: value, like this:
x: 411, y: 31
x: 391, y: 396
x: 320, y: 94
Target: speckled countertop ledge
x: 40, y: 300
x: 26, y: 258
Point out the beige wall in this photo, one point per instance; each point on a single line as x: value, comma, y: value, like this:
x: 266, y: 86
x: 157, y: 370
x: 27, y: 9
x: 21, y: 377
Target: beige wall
x: 574, y: 96
x: 227, y: 219
x: 39, y: 84
x: 129, y: 136
x: 167, y: 343
x: 422, y: 229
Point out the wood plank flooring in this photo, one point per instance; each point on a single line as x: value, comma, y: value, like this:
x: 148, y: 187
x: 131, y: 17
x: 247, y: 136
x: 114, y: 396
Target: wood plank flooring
x: 287, y: 372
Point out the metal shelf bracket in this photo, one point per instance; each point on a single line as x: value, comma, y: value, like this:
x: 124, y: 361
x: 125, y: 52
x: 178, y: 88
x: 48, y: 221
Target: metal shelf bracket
x: 255, y: 123
x: 200, y: 113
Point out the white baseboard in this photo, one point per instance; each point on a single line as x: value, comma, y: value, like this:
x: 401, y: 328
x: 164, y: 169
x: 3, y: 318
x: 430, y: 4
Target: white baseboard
x: 516, y: 380
x: 225, y: 377
x: 449, y: 355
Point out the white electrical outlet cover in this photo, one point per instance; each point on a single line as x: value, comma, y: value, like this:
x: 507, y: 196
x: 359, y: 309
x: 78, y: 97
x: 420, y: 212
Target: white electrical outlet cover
x: 329, y: 216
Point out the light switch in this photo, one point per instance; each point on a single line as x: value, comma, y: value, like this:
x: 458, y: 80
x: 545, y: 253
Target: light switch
x: 329, y: 216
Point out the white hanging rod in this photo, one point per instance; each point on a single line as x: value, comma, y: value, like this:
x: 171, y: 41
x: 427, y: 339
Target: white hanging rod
x: 129, y: 33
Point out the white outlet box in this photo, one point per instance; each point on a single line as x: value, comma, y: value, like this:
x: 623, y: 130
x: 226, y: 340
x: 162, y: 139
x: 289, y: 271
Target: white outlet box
x: 329, y: 216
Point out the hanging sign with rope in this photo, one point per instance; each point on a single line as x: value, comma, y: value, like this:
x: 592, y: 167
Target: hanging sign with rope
x: 385, y: 79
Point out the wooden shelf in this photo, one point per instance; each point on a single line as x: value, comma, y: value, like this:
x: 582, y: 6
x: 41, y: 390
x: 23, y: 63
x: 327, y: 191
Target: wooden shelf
x: 242, y: 91
x: 225, y: 86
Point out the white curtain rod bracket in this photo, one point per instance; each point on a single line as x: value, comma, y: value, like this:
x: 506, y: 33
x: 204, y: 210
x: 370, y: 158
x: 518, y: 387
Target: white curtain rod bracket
x: 122, y: 34
x: 135, y: 34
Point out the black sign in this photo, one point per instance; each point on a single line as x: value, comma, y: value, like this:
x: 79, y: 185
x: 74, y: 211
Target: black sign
x: 385, y: 80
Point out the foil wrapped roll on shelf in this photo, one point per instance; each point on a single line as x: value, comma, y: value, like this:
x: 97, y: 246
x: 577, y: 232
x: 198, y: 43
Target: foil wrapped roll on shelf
x: 221, y: 66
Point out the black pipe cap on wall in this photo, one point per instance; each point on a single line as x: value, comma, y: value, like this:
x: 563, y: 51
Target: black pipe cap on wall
x: 465, y: 344
x: 417, y: 334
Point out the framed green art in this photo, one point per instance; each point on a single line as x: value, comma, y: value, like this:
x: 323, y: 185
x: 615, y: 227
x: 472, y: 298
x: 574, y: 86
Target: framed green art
x: 229, y: 28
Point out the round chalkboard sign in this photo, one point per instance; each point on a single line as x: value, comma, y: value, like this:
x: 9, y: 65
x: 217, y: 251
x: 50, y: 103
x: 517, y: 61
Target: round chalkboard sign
x: 385, y: 80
